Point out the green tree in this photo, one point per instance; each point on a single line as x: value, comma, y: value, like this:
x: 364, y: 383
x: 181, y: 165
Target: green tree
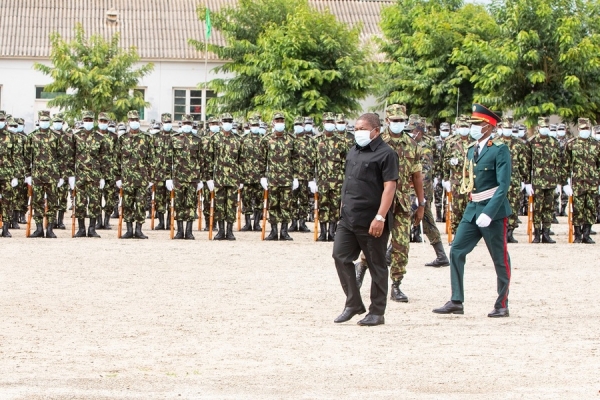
x: 421, y: 42
x: 98, y: 75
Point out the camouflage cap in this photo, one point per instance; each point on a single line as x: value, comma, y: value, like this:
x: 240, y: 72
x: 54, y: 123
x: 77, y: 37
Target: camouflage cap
x: 278, y: 115
x: 225, y: 116
x: 44, y: 115
x: 299, y: 121
x: 112, y: 123
x: 2, y: 114
x: 597, y: 129
x: 155, y: 125
x: 462, y: 121
x: 257, y: 115
x: 328, y: 116
x: 309, y: 120
x: 10, y: 121
x: 583, y: 123
x: 553, y: 127
x: 507, y: 122
x: 543, y: 122
x: 340, y: 118
x: 58, y: 117
x: 166, y: 117
x: 444, y: 126
x: 87, y: 114
x: 561, y: 127
x: 187, y: 118
x: 212, y: 120
x: 20, y: 121
x: 254, y: 121
x: 133, y: 114
x: 396, y: 111
x: 103, y: 116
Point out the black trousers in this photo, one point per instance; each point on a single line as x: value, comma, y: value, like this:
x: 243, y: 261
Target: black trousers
x: 346, y: 247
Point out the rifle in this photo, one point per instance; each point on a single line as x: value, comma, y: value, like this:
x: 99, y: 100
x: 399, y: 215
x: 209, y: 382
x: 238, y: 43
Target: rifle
x: 530, y: 218
x: 212, y: 214
x: 449, y: 216
x: 73, y: 214
x: 239, y: 210
x: 152, y: 207
x: 570, y: 208
x: 172, y: 213
x: 316, y: 235
x: 29, y: 209
x: 200, y: 210
x: 264, y: 217
x: 120, y: 227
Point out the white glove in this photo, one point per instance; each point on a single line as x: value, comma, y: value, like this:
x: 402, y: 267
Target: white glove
x: 102, y: 184
x: 241, y: 186
x: 522, y: 186
x: 447, y: 186
x: 169, y: 184
x: 150, y: 185
x: 435, y: 182
x: 598, y: 189
x: 200, y: 185
x: 568, y: 190
x: 119, y: 183
x: 483, y: 221
x: 557, y: 190
x: 454, y: 161
x: 61, y: 182
x: 211, y: 185
x: 312, y: 185
x: 295, y: 184
x: 14, y: 182
x: 28, y: 181
x: 72, y: 182
x: 529, y: 189
x: 264, y: 183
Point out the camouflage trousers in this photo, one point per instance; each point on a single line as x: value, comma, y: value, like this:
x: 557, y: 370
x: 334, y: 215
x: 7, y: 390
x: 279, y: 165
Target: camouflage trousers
x: 39, y: 190
x: 430, y: 229
x: 252, y: 198
x: 330, y: 197
x: 21, y: 197
x: 186, y: 201
x: 162, y: 197
x: 280, y: 204
x: 300, y: 200
x: 226, y: 203
x: 206, y: 203
x: 63, y: 193
x: 7, y: 202
x: 134, y: 202
x: 459, y: 203
x: 584, y: 207
x: 400, y: 244
x: 111, y: 196
x: 514, y: 199
x: 560, y: 203
x: 438, y: 194
x: 88, y: 197
x: 543, y: 207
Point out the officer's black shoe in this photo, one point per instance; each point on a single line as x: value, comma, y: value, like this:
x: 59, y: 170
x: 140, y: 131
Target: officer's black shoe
x: 397, y: 294
x: 293, y: 226
x: 248, y: 225
x: 323, y: 232
x: 229, y: 232
x: 92, y: 229
x: 39, y: 231
x: 348, y: 313
x: 14, y: 222
x: 273, y: 234
x: 81, y: 231
x: 188, y: 230
x: 331, y: 232
x: 49, y: 231
x: 99, y: 222
x: 388, y: 255
x: 138, y: 231
x: 499, y: 313
x: 168, y: 221
x: 179, y: 234
x: 302, y: 226
x: 283, y: 235
x: 372, y: 320
x: 60, y: 224
x: 546, y: 236
x: 129, y: 233
x: 510, y: 238
x: 161, y: 222
x: 577, y: 235
x: 5, y: 232
x: 257, y: 227
x: 438, y: 214
x: 441, y: 258
x: 536, y: 235
x: 450, y: 308
x: 107, y: 222
x: 586, y: 234
x: 221, y: 233
x: 361, y: 269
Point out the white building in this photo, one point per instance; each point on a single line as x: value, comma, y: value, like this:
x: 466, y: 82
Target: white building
x: 159, y: 29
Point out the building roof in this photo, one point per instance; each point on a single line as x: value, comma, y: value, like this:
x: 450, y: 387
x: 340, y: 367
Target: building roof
x: 159, y: 29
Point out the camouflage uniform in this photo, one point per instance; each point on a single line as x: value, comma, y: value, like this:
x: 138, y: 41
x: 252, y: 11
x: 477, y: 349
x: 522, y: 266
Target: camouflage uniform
x: 111, y: 191
x: 306, y: 149
x: 438, y: 190
x: 63, y: 192
x: 21, y: 195
x: 11, y: 167
x: 561, y: 199
x: 251, y: 169
x: 452, y: 171
x: 206, y: 173
x: 162, y: 143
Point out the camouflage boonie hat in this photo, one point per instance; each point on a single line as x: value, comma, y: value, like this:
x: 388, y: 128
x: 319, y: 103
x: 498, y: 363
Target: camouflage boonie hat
x: 462, y: 121
x: 328, y: 116
x: 309, y: 120
x: 58, y: 117
x: 10, y: 121
x: 543, y: 122
x: 20, y: 121
x: 104, y: 116
x: 299, y: 121
x: 225, y: 116
x: 583, y: 123
x: 2, y: 114
x: 340, y: 118
x: 254, y: 121
x: 87, y: 114
x: 278, y: 115
x: 507, y: 122
x: 44, y: 115
x: 444, y: 126
x: 256, y: 115
x: 396, y: 111
x: 213, y: 120
x: 166, y: 117
x: 187, y: 118
x: 133, y: 114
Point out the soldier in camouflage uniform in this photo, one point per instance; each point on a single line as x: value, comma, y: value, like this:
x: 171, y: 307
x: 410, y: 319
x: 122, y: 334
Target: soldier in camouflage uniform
x: 341, y: 128
x: 305, y: 146
x: 251, y: 171
x: 21, y: 195
x: 544, y: 174
x: 331, y: 151
x: 162, y: 143
x: 279, y: 176
x: 561, y: 198
x: 59, y: 128
x: 88, y: 164
x: 582, y: 163
x: 109, y: 190
x: 11, y: 167
x: 45, y: 161
x: 136, y: 161
x: 438, y: 190
x: 224, y: 161
x: 214, y: 127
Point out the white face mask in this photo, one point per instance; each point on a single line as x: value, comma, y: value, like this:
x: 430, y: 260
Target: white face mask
x: 2, y: 124
x: 444, y: 134
x: 88, y: 126
x: 44, y: 124
x: 186, y: 128
x: 20, y: 128
x: 112, y: 129
x: 102, y: 126
x: 584, y: 133
x: 544, y: 131
x: 308, y: 128
x: 227, y: 126
x: 340, y: 127
x: 12, y: 129
x: 167, y: 127
x: 57, y: 126
x: 561, y: 133
x: 246, y: 131
x: 135, y: 125
x: 298, y: 129
x: 506, y: 132
x: 397, y: 127
x: 154, y: 131
x: 329, y: 127
x: 122, y: 131
x: 597, y: 136
x: 279, y: 126
x: 362, y: 137
x: 463, y: 131
x: 552, y: 134
x: 214, y: 128
x: 262, y: 131
x: 476, y: 132
x: 254, y: 129
x: 521, y: 133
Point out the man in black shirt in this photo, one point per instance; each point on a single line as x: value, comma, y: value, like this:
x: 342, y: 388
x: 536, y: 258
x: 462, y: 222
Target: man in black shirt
x: 367, y: 194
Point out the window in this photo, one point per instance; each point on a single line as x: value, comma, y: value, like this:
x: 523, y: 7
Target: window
x: 142, y: 94
x: 41, y: 95
x: 190, y: 101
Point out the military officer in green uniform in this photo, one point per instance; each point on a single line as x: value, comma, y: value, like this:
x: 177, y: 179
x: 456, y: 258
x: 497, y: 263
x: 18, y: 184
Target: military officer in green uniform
x: 486, y: 214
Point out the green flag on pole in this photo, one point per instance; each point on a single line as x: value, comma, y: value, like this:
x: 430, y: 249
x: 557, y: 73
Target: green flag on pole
x: 208, y: 24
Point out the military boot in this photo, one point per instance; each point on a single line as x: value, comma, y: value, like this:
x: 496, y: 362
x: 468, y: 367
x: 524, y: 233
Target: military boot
x: 22, y: 219
x: 39, y: 231
x: 438, y: 214
x: 415, y: 236
x: 509, y: 236
x: 323, y: 232
x: 293, y: 226
x: 49, y: 231
x: 115, y: 213
x: 331, y: 232
x: 107, y: 221
x: 546, y: 236
x: 273, y: 234
x: 361, y: 270
x: 5, y: 232
x: 302, y: 226
x: 554, y: 220
x: 229, y: 232
x: 577, y: 235
x: 60, y: 221
x: 99, y: 222
x: 92, y: 229
x: 161, y: 222
x: 81, y: 231
x: 586, y: 234
x: 129, y: 233
x: 168, y: 221
x: 179, y: 234
x: 536, y: 235
x: 257, y: 217
x: 283, y: 235
x: 397, y: 294
x: 248, y: 225
x: 188, y: 230
x: 441, y: 258
x: 207, y: 220
x: 14, y: 222
x: 221, y: 233
x: 138, y: 231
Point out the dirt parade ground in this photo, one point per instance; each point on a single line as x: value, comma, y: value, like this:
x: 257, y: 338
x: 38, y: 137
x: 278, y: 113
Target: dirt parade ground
x: 161, y: 319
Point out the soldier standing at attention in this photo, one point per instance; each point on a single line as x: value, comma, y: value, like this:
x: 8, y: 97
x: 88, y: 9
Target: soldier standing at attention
x: 136, y: 162
x: 162, y: 197
x: 11, y: 167
x: 251, y: 171
x: 279, y: 177
x: 109, y: 186
x: 305, y: 149
x: 438, y: 190
x: 58, y: 128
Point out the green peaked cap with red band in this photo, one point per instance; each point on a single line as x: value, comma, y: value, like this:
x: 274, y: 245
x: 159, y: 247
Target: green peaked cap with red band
x: 480, y: 113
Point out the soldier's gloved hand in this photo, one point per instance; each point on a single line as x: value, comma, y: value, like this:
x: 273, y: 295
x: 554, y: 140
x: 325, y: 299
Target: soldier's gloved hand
x: 119, y: 183
x: 14, y: 182
x: 529, y: 189
x: 435, y: 182
x: 483, y: 221
x: 447, y: 186
x: 312, y: 185
x: 241, y: 186
x: 28, y: 181
x: 61, y: 182
x: 522, y: 186
x: 102, y: 184
x: 72, y: 182
x: 295, y: 184
x: 211, y: 185
x: 150, y: 185
x: 169, y: 184
x: 264, y: 183
x: 557, y: 190
x: 200, y: 185
x: 454, y: 161
x: 568, y: 190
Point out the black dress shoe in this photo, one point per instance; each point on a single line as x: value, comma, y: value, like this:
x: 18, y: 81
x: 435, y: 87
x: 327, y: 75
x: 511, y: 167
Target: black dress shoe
x: 499, y: 313
x: 347, y: 314
x: 372, y: 320
x: 450, y: 308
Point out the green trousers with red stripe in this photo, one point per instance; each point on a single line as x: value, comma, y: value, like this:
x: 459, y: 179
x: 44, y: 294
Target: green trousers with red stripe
x: 467, y: 236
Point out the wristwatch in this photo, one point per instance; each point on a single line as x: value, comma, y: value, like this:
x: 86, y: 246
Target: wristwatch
x: 379, y: 218
x: 423, y: 203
